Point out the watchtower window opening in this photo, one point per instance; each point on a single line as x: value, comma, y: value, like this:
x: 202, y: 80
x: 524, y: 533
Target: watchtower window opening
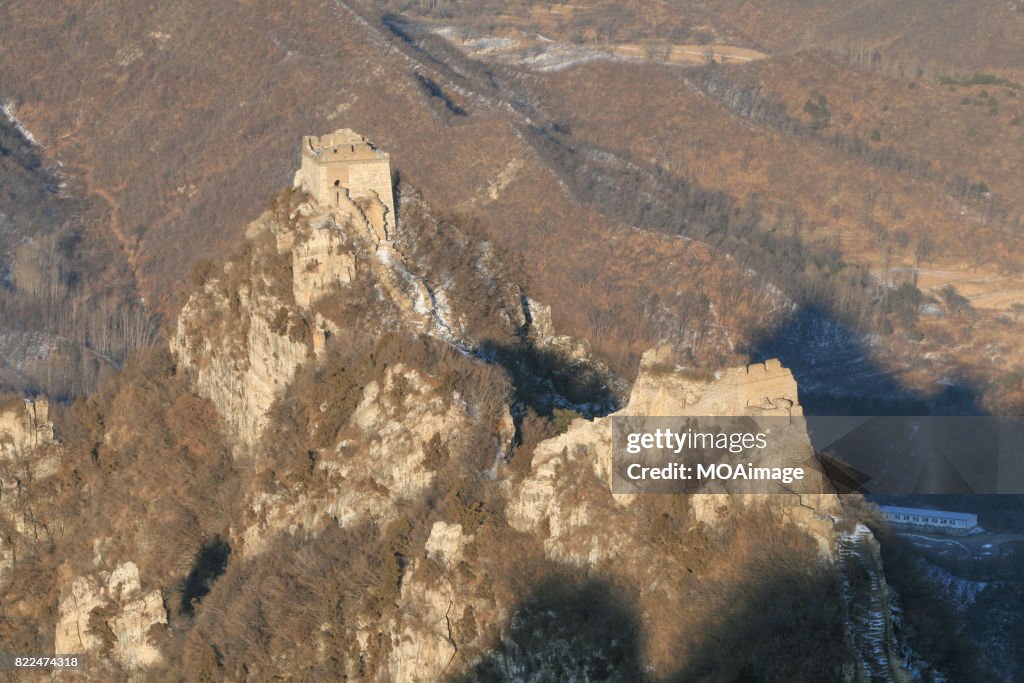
x: 337, y: 183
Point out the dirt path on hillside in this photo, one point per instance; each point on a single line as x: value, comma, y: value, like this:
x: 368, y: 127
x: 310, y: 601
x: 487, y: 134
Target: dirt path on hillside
x: 129, y: 245
x: 85, y: 172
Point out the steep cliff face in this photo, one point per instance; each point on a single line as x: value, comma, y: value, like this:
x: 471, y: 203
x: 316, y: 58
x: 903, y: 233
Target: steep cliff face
x: 441, y: 604
x: 307, y: 271
x: 388, y: 455
x: 565, y: 499
x: 237, y: 335
x: 25, y: 426
x: 321, y: 261
x: 29, y: 456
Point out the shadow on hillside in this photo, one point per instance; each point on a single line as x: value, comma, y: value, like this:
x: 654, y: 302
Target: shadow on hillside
x: 784, y: 625
x: 546, y: 378
x: 836, y: 375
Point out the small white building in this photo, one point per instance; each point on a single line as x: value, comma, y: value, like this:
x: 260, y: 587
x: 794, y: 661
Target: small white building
x: 939, y: 521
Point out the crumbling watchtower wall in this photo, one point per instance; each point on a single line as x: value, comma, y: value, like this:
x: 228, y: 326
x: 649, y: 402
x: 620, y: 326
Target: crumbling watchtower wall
x: 663, y: 388
x: 765, y: 386
x: 345, y: 165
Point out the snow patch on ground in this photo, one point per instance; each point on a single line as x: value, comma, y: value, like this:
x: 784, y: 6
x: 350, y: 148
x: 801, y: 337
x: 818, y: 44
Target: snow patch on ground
x: 484, y: 45
x: 866, y: 605
x: 9, y: 110
x: 960, y: 592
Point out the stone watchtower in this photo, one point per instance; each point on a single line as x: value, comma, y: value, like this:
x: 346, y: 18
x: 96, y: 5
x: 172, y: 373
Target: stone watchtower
x: 345, y: 165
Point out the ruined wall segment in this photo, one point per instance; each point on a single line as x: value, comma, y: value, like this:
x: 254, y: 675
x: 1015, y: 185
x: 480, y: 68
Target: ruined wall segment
x: 760, y: 389
x: 765, y: 386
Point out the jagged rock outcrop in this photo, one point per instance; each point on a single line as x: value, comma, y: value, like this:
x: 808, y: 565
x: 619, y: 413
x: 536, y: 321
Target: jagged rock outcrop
x: 439, y: 603
x: 109, y: 613
x: 397, y: 428
x: 565, y: 499
x: 248, y: 327
x: 568, y: 506
x: 243, y: 334
x: 238, y: 341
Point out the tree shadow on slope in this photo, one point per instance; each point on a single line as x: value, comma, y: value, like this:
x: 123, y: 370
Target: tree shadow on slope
x: 565, y: 631
x: 783, y: 625
x: 210, y: 563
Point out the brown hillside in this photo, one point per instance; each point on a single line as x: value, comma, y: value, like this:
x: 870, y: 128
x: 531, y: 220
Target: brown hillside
x: 184, y: 149
x: 819, y: 174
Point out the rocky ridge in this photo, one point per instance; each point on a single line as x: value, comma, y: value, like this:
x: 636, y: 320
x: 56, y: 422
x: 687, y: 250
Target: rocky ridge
x: 354, y: 385
x: 442, y: 620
